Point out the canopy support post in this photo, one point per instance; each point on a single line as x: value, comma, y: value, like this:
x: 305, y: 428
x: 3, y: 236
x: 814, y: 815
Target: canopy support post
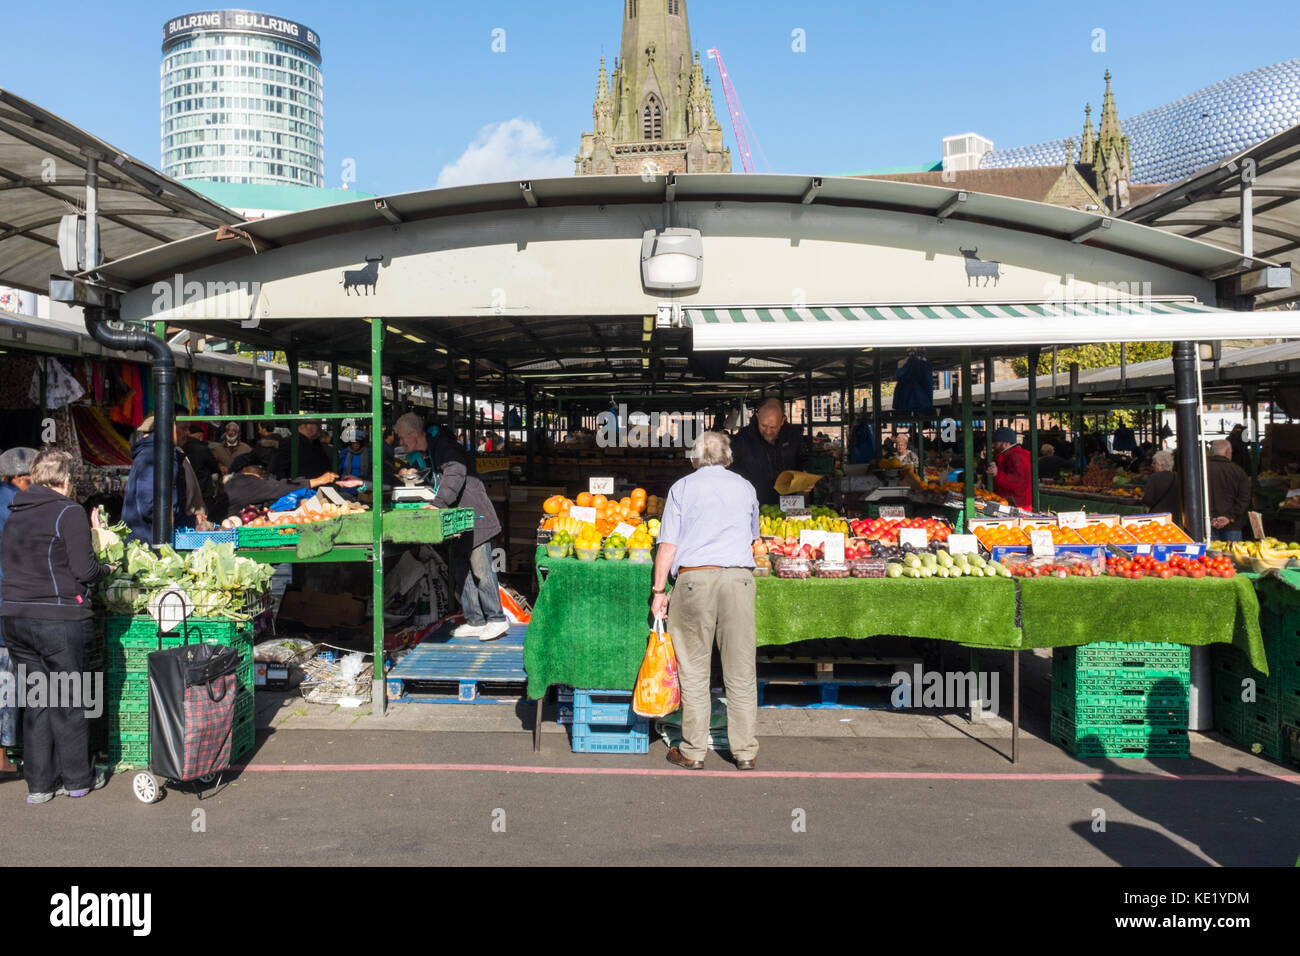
x: 530, y: 432
x: 378, y: 685
x: 291, y: 355
x: 1191, y: 461
x: 967, y: 438
x: 875, y: 404
x: 1033, y: 429
x: 472, y: 410
x: 451, y: 394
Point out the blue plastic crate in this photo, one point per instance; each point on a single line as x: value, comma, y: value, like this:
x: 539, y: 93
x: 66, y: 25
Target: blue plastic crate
x: 604, y: 708
x: 627, y: 741
x: 1000, y: 551
x: 187, y: 539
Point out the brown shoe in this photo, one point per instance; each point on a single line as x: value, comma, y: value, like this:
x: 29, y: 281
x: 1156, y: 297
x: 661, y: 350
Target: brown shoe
x: 747, y: 764
x: 675, y: 756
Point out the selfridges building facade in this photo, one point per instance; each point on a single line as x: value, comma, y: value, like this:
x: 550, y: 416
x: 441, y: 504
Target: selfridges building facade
x: 1173, y: 141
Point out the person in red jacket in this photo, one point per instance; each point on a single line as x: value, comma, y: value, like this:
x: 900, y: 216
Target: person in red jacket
x: 1011, y: 471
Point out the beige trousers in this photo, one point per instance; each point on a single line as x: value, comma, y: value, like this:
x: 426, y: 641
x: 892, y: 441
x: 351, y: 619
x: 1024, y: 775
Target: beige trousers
x: 706, y: 606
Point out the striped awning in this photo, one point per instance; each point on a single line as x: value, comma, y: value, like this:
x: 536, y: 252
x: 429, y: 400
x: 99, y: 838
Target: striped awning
x: 912, y: 326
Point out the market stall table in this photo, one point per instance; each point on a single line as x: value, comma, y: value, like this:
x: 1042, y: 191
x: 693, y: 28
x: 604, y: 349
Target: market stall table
x: 591, y: 619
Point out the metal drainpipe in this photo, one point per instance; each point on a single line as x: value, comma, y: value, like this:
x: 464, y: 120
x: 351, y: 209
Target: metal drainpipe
x: 164, y: 384
x: 1191, y: 460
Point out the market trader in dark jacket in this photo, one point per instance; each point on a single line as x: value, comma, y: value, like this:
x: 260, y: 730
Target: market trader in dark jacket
x: 1229, y: 492
x: 15, y: 476
x: 248, y: 484
x: 188, y: 507
x: 49, y: 566
x: 457, y: 486
x: 315, y: 458
x: 765, y: 447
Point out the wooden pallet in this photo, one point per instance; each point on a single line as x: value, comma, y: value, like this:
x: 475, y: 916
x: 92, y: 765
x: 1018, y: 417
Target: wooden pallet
x: 451, y: 670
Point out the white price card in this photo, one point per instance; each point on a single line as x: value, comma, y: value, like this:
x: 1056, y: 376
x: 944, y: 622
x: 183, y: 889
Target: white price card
x: 890, y: 512
x: 1040, y: 542
x: 834, y: 546
x: 916, y: 537
x: 963, y: 544
x: 584, y: 514
x: 792, y: 503
x: 1072, y: 519
x: 1005, y: 510
x: 1293, y: 493
x: 600, y: 486
x: 624, y: 529
x: 812, y: 538
x: 1256, y: 524
x: 1144, y: 549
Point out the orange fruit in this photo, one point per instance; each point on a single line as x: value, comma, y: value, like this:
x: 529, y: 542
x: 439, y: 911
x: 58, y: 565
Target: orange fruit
x: 584, y: 500
x: 552, y: 505
x: 565, y: 506
x: 598, y: 501
x: 625, y: 503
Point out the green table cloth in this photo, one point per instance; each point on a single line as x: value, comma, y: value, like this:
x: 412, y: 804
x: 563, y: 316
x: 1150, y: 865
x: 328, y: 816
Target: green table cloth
x: 1065, y: 612
x: 591, y: 620
x: 401, y: 526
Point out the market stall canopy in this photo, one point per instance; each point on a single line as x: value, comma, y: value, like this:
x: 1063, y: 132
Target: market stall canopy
x: 43, y: 178
x: 1208, y: 206
x: 1004, y: 324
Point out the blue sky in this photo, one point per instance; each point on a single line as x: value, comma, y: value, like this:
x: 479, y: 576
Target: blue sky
x: 415, y: 95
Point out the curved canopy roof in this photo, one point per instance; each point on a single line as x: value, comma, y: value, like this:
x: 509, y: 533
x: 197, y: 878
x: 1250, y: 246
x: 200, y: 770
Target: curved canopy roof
x: 43, y: 178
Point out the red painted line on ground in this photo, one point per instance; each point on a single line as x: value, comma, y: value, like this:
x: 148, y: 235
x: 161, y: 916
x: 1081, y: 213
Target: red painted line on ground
x: 1091, y: 776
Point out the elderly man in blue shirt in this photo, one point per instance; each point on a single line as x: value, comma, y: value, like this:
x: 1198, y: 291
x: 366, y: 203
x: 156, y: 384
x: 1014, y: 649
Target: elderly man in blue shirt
x: 706, y: 538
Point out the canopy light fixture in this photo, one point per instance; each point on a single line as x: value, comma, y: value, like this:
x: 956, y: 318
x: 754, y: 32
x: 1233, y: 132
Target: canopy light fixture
x: 672, y: 260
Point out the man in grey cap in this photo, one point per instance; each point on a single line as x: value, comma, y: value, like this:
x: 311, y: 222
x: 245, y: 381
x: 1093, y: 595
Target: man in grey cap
x: 15, y: 476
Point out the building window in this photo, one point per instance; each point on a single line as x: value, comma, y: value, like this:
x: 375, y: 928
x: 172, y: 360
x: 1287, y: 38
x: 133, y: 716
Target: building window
x: 674, y: 8
x: 631, y: 9
x: 652, y: 119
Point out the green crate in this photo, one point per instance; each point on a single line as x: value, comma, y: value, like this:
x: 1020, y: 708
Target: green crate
x: 243, y: 708
x: 127, y: 722
x: 141, y: 630
x: 1118, y: 680
x: 1128, y: 654
x: 282, y: 537
x: 1121, y: 741
x: 127, y: 705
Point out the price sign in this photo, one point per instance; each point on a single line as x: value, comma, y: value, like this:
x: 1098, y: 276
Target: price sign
x: 963, y: 544
x: 485, y: 465
x: 584, y: 514
x: 893, y: 511
x: 600, y: 486
x: 1144, y: 549
x: 834, y: 546
x: 792, y: 503
x: 624, y: 529
x: 1040, y: 542
x: 814, y: 539
x: 916, y: 537
x: 1256, y: 524
x: 1072, y: 519
x: 1005, y: 510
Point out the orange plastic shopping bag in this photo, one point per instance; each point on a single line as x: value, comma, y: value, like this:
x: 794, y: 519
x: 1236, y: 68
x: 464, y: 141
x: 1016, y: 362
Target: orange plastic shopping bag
x: 657, y: 692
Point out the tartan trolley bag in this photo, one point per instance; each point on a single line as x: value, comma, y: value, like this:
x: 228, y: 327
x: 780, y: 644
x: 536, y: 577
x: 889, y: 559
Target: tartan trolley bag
x: 191, y: 714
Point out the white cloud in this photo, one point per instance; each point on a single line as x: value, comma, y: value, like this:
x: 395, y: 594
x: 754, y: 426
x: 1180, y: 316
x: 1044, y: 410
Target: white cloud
x: 515, y: 149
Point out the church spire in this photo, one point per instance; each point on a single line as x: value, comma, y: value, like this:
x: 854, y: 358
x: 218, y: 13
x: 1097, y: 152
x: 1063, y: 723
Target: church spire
x: 1089, y: 137
x: 698, y: 101
x: 1110, y: 132
x: 603, y: 110
x: 1112, y: 163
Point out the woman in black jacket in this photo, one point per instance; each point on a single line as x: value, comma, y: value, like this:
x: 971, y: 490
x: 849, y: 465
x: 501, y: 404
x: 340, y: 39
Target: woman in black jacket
x: 49, y: 565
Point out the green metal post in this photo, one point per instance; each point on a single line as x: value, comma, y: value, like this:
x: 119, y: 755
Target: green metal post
x: 1033, y: 428
x: 379, y: 686
x: 968, y: 434
x: 848, y: 413
x: 294, y: 408
x: 875, y: 404
x: 451, y: 394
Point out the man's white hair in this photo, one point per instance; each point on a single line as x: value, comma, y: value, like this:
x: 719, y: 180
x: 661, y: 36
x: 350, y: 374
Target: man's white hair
x: 711, y: 448
x: 1221, y: 446
x: 409, y: 424
x: 1164, y: 459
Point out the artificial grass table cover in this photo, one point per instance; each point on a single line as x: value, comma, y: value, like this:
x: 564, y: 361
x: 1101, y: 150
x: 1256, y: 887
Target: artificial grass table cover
x: 1066, y: 612
x: 592, y: 618
x: 980, y: 611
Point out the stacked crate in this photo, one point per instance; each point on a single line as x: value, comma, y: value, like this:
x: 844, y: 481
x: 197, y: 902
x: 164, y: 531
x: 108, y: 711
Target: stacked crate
x: 1261, y: 710
x: 603, y: 722
x: 128, y: 642
x: 1121, y: 699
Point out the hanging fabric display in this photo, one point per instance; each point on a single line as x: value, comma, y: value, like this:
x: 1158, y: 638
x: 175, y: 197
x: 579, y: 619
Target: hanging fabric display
x: 14, y: 391
x: 100, y: 442
x: 61, y: 388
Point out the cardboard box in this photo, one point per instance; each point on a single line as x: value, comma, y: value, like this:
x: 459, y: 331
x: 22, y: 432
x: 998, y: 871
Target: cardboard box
x: 313, y: 608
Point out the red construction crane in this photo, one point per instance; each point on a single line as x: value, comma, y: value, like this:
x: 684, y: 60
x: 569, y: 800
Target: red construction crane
x: 739, y: 121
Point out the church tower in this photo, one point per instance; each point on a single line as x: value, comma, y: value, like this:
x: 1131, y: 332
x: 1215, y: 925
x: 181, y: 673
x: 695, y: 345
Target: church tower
x: 656, y: 114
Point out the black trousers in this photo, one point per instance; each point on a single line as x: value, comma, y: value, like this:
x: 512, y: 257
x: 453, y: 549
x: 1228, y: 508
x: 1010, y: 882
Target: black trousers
x: 56, y: 740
